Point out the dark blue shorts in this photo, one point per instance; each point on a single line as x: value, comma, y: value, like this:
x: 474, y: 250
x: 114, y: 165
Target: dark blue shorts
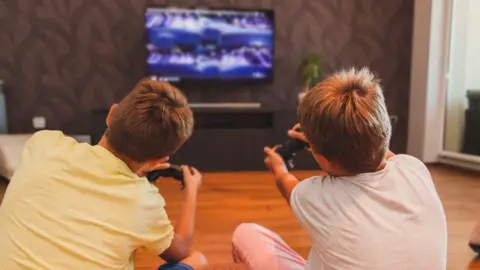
x: 475, y: 247
x: 175, y: 266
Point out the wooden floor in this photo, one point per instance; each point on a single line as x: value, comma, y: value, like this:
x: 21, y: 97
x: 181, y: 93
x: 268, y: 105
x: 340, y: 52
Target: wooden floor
x: 228, y: 199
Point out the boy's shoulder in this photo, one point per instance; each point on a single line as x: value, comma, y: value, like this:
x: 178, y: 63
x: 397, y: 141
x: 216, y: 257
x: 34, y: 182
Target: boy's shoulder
x: 46, y: 136
x: 47, y: 133
x: 407, y: 158
x: 327, y: 183
x: 410, y: 162
x: 44, y: 141
x: 310, y: 185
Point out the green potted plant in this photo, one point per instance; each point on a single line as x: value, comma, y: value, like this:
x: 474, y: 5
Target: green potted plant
x: 310, y: 71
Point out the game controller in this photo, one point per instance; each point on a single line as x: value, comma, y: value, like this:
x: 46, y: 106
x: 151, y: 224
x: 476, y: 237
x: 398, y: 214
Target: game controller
x: 289, y: 148
x: 174, y: 172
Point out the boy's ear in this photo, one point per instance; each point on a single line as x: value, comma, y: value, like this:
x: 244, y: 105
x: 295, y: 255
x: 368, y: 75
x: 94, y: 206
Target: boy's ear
x: 157, y: 164
x: 110, y: 114
x: 322, y: 161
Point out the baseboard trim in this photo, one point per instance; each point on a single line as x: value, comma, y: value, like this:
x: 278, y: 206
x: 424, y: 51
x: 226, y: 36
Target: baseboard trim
x: 464, y: 161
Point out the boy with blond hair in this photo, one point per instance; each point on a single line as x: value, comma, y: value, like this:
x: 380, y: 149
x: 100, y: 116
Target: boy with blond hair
x: 71, y: 205
x: 373, y: 210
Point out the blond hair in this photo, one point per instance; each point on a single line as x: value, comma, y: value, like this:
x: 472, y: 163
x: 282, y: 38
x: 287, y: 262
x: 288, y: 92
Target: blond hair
x: 151, y: 122
x: 346, y: 120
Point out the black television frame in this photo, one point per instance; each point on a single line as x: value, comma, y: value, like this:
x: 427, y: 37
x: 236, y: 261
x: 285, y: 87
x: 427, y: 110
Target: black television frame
x: 215, y: 82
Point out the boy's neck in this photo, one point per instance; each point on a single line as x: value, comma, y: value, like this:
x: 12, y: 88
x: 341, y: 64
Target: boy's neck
x: 382, y: 165
x: 338, y: 172
x: 134, y: 166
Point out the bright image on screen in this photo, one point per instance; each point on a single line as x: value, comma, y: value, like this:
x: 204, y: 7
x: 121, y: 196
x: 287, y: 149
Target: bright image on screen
x: 201, y: 44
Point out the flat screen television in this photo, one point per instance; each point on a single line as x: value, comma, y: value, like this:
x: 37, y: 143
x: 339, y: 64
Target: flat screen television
x: 193, y: 45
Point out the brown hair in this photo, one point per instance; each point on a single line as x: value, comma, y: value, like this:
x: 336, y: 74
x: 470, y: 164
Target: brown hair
x: 151, y: 122
x: 345, y: 119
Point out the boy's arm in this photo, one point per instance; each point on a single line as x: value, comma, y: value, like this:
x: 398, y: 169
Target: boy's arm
x: 181, y: 245
x: 285, y: 181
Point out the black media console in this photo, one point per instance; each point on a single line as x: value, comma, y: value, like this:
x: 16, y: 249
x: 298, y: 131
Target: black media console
x: 471, y: 132
x: 229, y: 139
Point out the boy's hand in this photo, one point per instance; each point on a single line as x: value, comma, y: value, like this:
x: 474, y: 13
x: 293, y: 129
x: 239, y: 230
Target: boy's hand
x: 297, y: 135
x: 162, y: 164
x: 274, y: 162
x: 192, y: 179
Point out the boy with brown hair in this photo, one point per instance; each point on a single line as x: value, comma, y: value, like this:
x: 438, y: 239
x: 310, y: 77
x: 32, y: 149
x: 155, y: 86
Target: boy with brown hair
x: 74, y: 205
x: 373, y: 210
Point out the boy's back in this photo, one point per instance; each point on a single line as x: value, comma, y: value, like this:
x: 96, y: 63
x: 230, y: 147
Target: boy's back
x: 72, y: 204
x: 389, y: 219
x: 374, y: 210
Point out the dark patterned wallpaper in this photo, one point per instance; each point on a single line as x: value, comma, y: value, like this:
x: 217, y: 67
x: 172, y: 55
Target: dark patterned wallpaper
x: 61, y: 58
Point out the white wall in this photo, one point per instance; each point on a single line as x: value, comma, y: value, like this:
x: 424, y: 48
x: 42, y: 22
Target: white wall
x: 428, y: 78
x: 429, y: 83
x: 464, y: 68
x: 455, y: 103
x: 473, y: 46
x: 418, y: 83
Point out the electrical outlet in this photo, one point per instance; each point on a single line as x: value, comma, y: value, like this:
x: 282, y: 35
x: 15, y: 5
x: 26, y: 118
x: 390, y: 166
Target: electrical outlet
x: 39, y: 122
x: 393, y: 119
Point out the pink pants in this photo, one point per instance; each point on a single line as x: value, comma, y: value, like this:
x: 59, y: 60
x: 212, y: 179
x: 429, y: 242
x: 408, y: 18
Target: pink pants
x: 259, y: 248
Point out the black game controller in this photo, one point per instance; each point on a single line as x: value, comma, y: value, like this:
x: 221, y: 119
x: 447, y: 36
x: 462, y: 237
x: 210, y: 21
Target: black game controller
x: 288, y: 149
x: 174, y: 172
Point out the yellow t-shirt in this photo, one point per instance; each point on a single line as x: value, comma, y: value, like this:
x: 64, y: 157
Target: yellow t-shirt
x: 71, y: 205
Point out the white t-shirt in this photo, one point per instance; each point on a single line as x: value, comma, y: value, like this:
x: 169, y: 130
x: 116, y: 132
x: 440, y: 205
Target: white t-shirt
x: 391, y: 219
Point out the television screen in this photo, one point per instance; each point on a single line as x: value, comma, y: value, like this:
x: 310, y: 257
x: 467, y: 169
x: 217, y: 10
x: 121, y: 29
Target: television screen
x: 195, y: 44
